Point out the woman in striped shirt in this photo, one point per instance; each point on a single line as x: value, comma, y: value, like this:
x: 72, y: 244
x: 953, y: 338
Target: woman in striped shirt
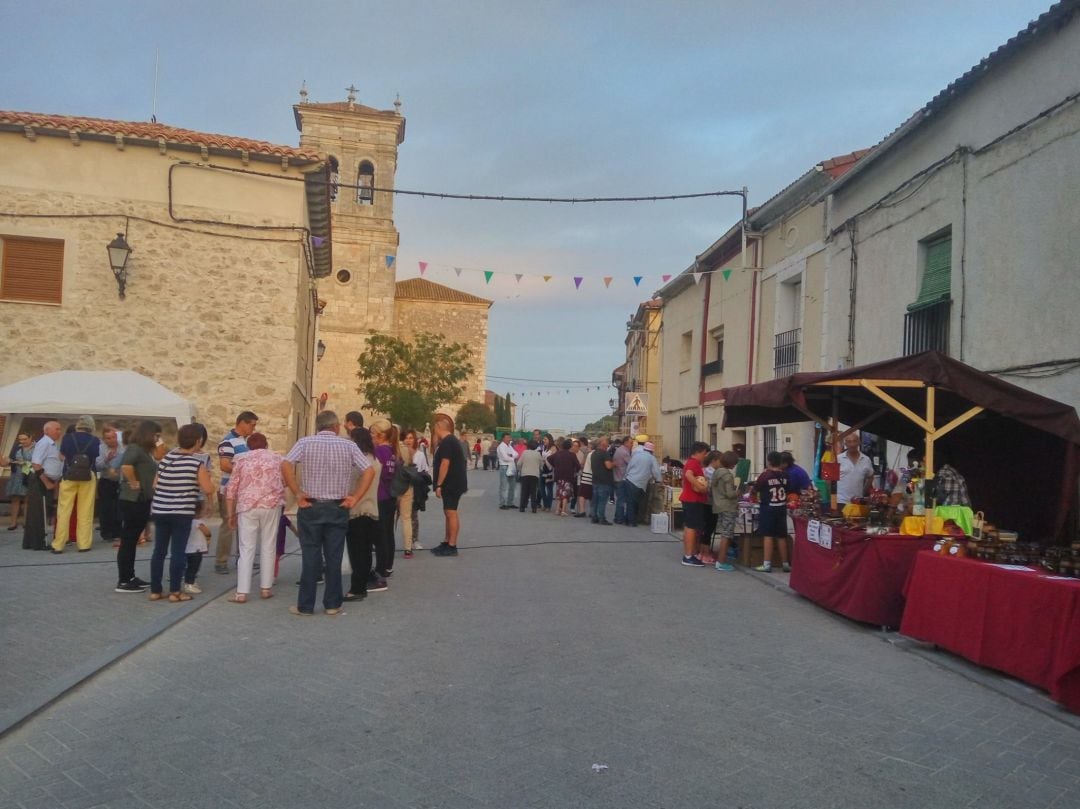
x: 181, y: 475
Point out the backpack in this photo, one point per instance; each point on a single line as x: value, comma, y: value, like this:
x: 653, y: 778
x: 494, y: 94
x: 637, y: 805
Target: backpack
x: 80, y: 468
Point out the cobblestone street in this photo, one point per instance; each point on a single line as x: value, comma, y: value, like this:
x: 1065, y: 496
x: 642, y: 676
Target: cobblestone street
x: 499, y: 679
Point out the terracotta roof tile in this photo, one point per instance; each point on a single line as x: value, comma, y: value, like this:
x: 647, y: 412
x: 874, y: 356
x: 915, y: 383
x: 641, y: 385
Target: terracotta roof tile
x: 151, y: 132
x: 839, y: 166
x: 420, y: 289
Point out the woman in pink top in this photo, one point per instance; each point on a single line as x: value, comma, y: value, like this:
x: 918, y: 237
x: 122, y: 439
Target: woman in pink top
x: 254, y: 497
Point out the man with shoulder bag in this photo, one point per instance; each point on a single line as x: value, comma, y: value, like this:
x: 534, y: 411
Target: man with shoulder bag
x: 78, y: 486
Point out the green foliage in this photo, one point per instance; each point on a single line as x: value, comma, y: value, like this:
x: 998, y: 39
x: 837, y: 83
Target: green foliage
x: 410, y: 381
x: 607, y: 424
x: 476, y: 417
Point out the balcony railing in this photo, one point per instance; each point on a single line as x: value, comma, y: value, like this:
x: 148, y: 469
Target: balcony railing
x: 714, y: 367
x: 927, y: 329
x: 786, y: 353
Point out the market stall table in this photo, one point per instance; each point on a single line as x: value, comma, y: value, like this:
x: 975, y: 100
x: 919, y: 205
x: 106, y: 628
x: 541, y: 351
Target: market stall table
x: 858, y: 576
x: 1009, y: 618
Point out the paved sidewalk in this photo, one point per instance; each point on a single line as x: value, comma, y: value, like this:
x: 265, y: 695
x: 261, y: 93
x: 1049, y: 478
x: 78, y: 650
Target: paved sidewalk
x: 499, y: 678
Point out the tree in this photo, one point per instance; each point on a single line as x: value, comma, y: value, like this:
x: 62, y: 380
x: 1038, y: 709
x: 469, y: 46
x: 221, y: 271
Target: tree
x: 410, y: 381
x: 509, y: 411
x: 477, y: 417
x: 604, y: 425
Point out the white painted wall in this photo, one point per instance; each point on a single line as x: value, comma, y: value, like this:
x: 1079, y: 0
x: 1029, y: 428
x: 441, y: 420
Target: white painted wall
x: 1014, y: 210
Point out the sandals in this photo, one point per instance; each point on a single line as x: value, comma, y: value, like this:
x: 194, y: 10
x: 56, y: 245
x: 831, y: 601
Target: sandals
x: 157, y: 596
x: 266, y: 592
x: 238, y: 598
x: 176, y: 598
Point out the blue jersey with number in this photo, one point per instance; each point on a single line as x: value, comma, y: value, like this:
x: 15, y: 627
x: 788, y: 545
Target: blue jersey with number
x: 772, y: 488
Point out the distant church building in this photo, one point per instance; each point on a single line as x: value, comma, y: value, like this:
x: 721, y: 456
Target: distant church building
x: 362, y: 296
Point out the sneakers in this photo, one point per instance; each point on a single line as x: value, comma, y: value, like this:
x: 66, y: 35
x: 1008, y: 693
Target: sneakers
x: 378, y: 586
x: 140, y: 582
x: 129, y: 587
x: 417, y: 546
x: 765, y: 568
x: 724, y: 566
x: 407, y: 555
x: 692, y: 561
x: 786, y: 567
x: 445, y: 550
x: 223, y: 569
x: 191, y: 588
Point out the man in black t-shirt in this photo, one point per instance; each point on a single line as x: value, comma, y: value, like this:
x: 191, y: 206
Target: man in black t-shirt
x: 603, y: 482
x: 451, y: 480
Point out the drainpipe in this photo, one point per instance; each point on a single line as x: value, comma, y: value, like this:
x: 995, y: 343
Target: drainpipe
x: 755, y: 278
x: 704, y: 349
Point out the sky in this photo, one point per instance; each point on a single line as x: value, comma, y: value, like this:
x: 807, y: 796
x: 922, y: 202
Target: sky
x: 564, y: 99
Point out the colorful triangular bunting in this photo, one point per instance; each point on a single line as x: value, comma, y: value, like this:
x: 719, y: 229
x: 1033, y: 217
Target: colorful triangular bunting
x: 577, y: 285
x: 487, y: 276
x: 665, y: 278
x: 547, y: 278
x: 318, y: 241
x: 458, y: 271
x: 726, y: 274
x: 518, y: 276
x: 423, y: 267
x: 389, y: 262
x: 637, y: 280
x: 607, y: 280
x: 697, y: 277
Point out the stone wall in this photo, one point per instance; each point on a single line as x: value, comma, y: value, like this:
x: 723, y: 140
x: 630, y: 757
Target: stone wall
x: 221, y: 319
x: 460, y: 323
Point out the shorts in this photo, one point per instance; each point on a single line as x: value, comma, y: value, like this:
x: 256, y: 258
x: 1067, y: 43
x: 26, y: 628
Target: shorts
x: 725, y: 524
x: 585, y: 490
x: 772, y: 521
x: 450, y: 500
x: 694, y: 516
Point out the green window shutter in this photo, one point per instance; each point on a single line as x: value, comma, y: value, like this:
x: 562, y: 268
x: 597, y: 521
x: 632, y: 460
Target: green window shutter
x: 937, y: 275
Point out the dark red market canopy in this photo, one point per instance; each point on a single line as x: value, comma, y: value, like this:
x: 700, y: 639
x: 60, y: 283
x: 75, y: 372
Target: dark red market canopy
x: 1020, y: 455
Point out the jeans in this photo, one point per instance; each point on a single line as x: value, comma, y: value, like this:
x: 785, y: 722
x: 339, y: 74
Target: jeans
x: 601, y: 493
x: 630, y: 496
x: 507, y: 484
x: 624, y: 502
x: 171, y: 532
x: 547, y: 493
x: 133, y: 518
x: 528, y: 491
x: 361, y: 536
x: 322, y: 527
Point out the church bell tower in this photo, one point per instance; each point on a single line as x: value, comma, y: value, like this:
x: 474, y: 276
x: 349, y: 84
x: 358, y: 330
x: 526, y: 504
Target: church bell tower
x: 361, y: 144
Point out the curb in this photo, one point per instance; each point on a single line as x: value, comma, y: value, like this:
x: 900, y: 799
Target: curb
x: 58, y: 687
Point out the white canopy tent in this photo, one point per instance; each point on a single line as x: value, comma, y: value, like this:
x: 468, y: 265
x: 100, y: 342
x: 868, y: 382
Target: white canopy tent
x: 107, y: 394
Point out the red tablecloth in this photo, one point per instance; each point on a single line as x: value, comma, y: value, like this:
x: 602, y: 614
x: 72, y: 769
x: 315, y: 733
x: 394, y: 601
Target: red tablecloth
x: 860, y: 577
x: 1023, y: 623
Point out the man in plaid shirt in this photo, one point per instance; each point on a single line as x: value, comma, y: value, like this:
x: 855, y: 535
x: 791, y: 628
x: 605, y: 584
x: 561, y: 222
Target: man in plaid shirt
x: 950, y: 488
x: 323, y: 498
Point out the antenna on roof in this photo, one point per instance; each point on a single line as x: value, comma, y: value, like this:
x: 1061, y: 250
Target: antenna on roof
x: 157, y: 60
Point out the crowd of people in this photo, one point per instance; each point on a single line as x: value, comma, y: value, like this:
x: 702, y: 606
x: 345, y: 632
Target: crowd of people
x: 350, y: 493
x: 576, y: 476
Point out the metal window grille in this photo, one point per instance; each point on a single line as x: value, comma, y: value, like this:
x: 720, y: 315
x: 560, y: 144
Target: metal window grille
x: 786, y: 353
x: 687, y: 434
x: 768, y: 440
x: 927, y: 329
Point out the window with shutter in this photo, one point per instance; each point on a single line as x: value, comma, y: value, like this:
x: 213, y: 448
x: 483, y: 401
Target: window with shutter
x: 936, y: 283
x: 32, y: 269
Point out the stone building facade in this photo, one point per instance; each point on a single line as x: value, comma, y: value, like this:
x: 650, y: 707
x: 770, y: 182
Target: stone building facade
x: 421, y: 305
x: 362, y: 295
x: 220, y: 299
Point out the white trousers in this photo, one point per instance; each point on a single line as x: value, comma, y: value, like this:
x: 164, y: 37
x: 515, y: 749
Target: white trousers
x: 257, y: 528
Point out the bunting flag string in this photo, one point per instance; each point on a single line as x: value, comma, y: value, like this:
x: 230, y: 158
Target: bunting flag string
x: 520, y: 277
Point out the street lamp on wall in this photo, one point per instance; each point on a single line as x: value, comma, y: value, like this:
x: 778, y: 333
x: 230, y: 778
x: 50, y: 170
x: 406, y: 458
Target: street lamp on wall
x: 320, y: 349
x: 118, y: 257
